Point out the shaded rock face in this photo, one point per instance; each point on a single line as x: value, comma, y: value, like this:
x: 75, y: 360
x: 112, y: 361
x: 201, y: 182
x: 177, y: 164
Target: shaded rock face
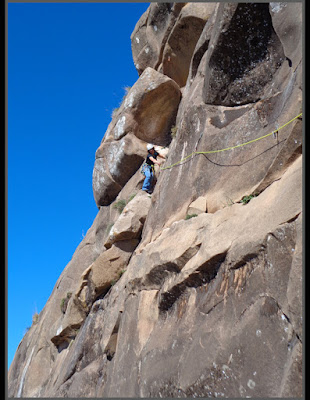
x: 245, y: 55
x: 156, y: 305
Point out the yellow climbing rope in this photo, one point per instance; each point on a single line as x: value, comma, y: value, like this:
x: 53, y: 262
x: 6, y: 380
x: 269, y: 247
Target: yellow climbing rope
x: 232, y: 147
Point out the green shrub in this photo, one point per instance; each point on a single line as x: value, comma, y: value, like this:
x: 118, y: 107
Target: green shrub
x: 121, y: 272
x: 113, y: 281
x: 189, y: 216
x: 246, y: 199
x: 120, y: 205
x: 131, y: 197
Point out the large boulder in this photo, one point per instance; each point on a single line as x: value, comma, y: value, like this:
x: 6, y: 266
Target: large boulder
x: 130, y: 223
x: 108, y: 215
x: 202, y: 43
x: 116, y: 162
x: 165, y: 36
x: 182, y: 40
x: 148, y: 110
x: 146, y: 115
x: 151, y: 33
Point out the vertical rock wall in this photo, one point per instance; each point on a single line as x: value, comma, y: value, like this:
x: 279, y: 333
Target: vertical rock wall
x: 158, y: 301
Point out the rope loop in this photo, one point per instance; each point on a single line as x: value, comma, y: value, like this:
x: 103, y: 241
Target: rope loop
x: 233, y: 147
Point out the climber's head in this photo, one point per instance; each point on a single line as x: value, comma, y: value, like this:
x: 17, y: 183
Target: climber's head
x: 150, y: 148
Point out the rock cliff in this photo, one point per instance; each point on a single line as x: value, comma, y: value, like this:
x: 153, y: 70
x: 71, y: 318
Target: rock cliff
x: 195, y: 291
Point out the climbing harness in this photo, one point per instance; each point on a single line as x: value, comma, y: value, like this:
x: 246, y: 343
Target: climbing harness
x: 144, y: 166
x: 274, y: 133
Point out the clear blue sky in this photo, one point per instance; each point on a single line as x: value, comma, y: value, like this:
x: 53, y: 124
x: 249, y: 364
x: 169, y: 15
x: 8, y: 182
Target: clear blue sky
x: 68, y: 65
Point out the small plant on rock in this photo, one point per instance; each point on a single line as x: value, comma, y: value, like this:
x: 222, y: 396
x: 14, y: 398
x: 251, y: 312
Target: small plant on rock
x: 114, y: 112
x: 246, y: 199
x: 131, y: 197
x: 189, y: 216
x: 173, y: 131
x: 121, y: 272
x: 120, y: 205
x: 127, y: 88
x: 35, y: 318
x: 64, y: 302
x: 113, y: 281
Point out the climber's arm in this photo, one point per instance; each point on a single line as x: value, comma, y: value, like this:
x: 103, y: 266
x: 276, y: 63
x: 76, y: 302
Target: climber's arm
x: 154, y: 160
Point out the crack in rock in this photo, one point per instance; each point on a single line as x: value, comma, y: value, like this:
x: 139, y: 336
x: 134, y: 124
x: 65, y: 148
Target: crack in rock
x: 201, y: 276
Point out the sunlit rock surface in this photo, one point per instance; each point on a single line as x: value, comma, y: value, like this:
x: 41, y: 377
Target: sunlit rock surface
x: 147, y: 114
x: 195, y: 291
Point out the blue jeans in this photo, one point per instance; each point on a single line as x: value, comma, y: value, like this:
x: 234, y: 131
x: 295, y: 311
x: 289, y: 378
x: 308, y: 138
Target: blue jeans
x: 148, y: 178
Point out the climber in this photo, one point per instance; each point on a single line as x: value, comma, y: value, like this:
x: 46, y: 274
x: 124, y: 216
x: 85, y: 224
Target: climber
x: 148, y: 167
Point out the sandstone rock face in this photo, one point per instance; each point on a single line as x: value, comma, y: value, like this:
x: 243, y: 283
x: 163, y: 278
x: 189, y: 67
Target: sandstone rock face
x: 165, y: 37
x: 215, y: 291
x: 151, y: 33
x: 146, y: 115
x: 153, y: 102
x: 154, y: 94
x: 115, y: 163
x: 234, y: 78
x: 225, y: 177
x: 182, y: 40
x: 95, y: 281
x: 156, y: 305
x: 130, y: 223
x: 198, y: 206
